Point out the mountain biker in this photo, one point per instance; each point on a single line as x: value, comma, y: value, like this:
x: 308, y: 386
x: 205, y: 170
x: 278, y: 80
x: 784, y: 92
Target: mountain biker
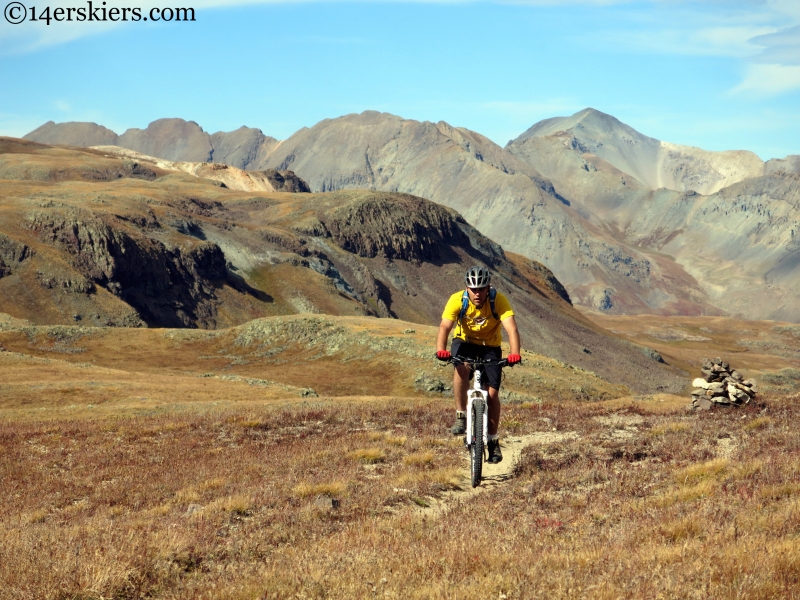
x: 477, y: 313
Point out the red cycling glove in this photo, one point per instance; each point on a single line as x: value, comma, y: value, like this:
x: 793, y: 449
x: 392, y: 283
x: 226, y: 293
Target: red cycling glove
x: 443, y: 354
x: 513, y: 359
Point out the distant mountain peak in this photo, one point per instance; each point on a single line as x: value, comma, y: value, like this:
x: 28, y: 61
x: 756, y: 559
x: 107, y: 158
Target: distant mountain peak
x: 596, y: 122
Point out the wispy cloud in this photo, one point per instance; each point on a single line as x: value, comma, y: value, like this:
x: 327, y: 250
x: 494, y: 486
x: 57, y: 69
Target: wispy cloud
x: 763, y: 80
x: 726, y: 41
x: 764, y: 30
x: 780, y: 47
x: 763, y: 35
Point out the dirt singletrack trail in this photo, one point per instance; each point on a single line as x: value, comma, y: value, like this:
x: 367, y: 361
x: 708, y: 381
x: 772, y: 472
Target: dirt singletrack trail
x: 493, y: 475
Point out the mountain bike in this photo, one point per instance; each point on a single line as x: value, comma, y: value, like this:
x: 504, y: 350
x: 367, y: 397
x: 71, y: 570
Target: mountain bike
x: 477, y: 435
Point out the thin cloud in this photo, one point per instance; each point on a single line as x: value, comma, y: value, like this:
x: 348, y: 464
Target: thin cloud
x: 763, y: 80
x: 732, y: 28
x: 733, y: 42
x: 781, y: 47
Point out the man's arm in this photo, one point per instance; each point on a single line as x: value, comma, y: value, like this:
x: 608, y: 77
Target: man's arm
x: 445, y: 327
x: 510, y: 325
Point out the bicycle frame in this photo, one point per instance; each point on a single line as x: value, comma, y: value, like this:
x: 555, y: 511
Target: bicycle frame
x: 477, y: 403
x: 475, y: 392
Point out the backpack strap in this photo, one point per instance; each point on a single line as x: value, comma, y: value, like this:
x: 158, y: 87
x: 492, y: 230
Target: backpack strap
x: 492, y: 296
x: 463, y: 312
x: 465, y: 304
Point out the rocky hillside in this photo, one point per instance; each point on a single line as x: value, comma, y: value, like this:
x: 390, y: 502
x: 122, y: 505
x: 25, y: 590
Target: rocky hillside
x: 653, y: 163
x: 506, y: 198
x: 737, y: 242
x: 570, y: 193
x: 170, y: 139
x: 163, y: 248
x: 268, y: 180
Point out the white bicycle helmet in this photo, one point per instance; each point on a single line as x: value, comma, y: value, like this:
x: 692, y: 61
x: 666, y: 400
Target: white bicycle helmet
x: 477, y: 277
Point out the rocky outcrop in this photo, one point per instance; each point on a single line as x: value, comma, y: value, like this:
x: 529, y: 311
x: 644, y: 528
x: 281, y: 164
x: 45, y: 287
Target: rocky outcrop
x: 12, y: 253
x: 401, y: 227
x: 284, y: 181
x: 168, y: 287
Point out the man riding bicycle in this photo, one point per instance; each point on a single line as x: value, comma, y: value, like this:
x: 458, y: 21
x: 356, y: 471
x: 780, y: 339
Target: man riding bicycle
x: 477, y: 313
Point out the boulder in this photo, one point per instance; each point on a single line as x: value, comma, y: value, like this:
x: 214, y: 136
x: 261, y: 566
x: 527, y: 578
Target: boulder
x: 704, y: 404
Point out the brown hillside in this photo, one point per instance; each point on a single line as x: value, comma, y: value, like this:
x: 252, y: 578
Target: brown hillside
x: 178, y: 251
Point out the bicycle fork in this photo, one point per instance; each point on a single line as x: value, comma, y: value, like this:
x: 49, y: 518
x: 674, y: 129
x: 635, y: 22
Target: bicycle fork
x: 477, y: 393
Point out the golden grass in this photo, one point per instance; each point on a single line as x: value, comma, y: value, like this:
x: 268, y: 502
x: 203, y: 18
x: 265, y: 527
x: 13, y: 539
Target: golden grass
x: 334, y: 489
x: 671, y: 427
x: 758, y: 423
x: 419, y: 459
x: 239, y: 504
x: 396, y: 440
x: 682, y: 528
x: 99, y: 506
x: 369, y: 456
x: 706, y: 471
x: 446, y: 478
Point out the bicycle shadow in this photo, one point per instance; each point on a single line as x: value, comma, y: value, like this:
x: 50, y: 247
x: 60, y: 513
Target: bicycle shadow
x: 495, y: 478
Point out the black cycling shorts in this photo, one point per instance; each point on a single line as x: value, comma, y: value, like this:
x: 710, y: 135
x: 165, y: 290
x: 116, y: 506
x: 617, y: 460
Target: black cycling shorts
x: 491, y: 373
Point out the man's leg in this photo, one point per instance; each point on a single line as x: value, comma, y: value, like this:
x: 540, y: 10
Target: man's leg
x: 460, y: 387
x: 495, y: 455
x: 494, y: 410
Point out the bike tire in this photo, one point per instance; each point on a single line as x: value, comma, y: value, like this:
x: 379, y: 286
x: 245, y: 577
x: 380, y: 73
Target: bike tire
x: 476, y: 450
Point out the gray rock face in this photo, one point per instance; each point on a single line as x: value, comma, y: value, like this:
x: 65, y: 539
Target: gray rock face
x: 503, y: 196
x: 173, y: 139
x: 790, y: 164
x: 628, y: 223
x: 73, y: 134
x: 170, y: 139
x: 653, y: 163
x: 401, y: 227
x: 734, y: 248
x: 12, y: 253
x: 245, y: 148
x: 171, y: 287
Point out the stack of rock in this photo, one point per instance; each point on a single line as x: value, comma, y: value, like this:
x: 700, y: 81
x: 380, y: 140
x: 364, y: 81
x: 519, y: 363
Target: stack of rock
x: 720, y: 384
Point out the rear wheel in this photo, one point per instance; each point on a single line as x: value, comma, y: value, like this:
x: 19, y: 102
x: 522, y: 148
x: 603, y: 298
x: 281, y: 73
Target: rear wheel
x: 476, y: 450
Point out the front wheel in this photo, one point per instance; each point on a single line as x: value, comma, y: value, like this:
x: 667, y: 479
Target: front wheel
x: 476, y: 450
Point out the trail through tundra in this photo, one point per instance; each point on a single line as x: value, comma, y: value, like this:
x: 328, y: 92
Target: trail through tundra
x: 493, y: 475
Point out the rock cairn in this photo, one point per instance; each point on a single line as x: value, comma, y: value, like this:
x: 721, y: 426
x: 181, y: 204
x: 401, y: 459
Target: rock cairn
x: 721, y: 384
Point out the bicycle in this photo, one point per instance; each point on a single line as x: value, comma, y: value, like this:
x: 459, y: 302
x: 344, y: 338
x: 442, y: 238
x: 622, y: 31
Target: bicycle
x: 477, y: 434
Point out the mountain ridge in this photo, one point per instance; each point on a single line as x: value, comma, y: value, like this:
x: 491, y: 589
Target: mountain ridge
x: 161, y: 248
x: 564, y: 193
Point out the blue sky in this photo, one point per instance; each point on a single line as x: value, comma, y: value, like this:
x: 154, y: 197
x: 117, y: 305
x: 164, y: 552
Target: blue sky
x: 718, y: 74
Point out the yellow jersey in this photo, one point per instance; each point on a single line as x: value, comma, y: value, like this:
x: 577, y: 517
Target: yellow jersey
x: 478, y: 325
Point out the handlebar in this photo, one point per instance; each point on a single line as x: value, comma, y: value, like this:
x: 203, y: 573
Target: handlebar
x: 478, y: 362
